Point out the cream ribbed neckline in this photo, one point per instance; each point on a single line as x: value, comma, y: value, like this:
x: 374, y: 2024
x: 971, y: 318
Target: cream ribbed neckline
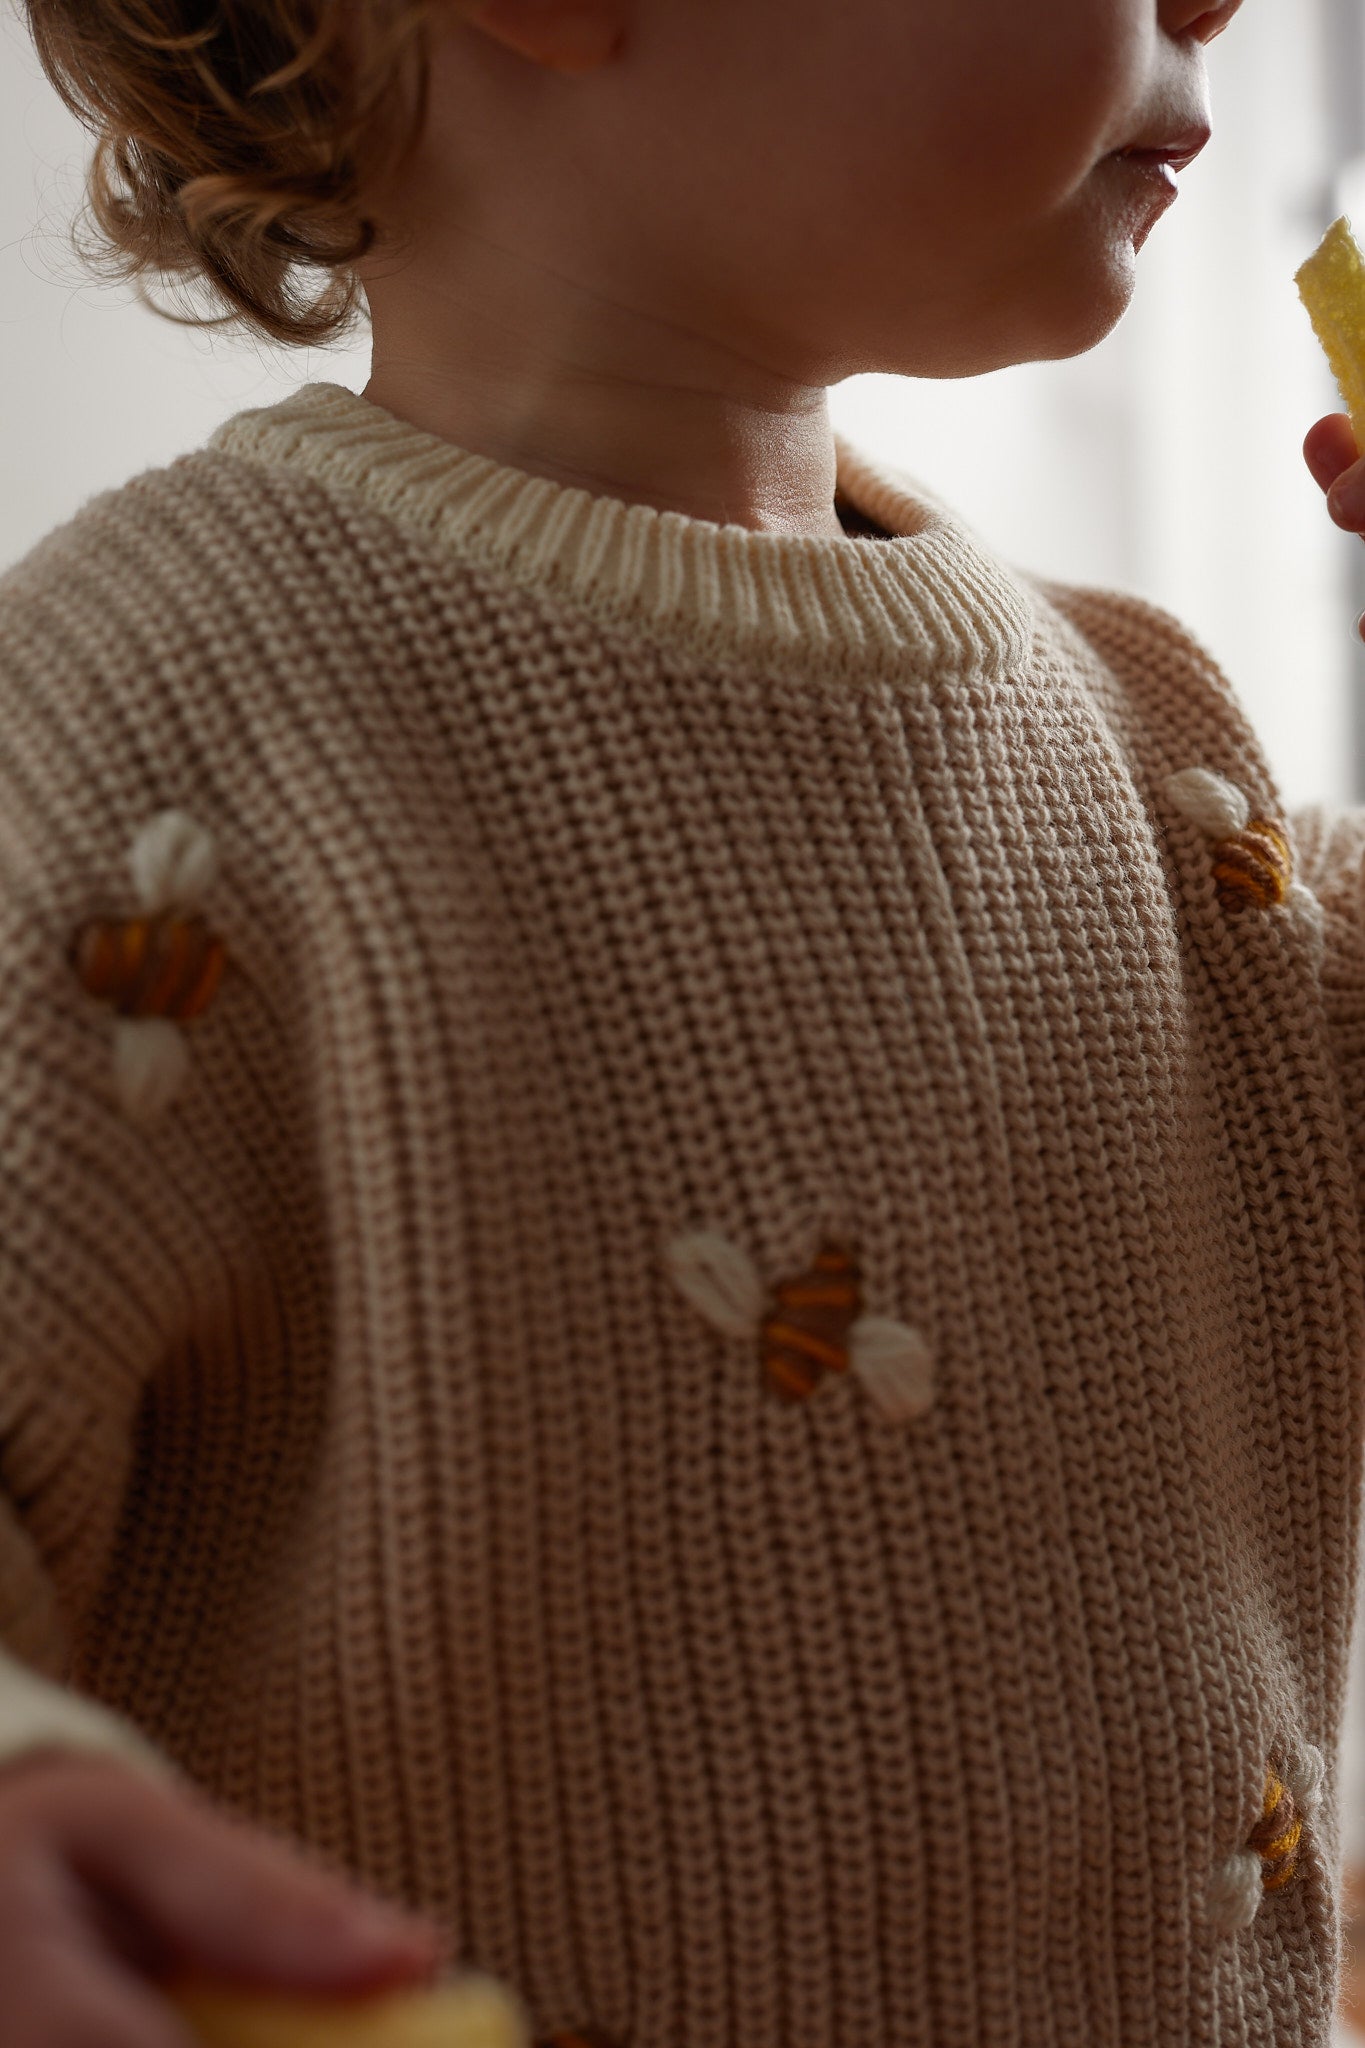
x: 928, y: 599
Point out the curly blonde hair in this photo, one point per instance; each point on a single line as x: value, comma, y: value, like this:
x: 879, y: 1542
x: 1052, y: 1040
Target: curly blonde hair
x: 236, y: 144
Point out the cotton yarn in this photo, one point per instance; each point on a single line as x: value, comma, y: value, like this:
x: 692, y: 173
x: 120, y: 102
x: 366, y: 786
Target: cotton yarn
x: 593, y: 877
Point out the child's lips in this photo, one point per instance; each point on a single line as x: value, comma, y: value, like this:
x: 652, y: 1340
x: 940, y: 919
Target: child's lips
x: 1175, y: 152
x: 1155, y: 167
x: 1156, y: 162
x: 1151, y: 183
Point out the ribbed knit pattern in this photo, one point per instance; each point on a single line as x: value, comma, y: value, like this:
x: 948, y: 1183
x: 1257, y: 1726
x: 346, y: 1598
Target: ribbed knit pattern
x: 592, y: 877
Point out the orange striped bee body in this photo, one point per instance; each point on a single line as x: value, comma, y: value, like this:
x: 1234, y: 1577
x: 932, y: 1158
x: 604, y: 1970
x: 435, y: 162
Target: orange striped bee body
x: 1275, y: 1837
x: 806, y: 1335
x: 166, y: 966
x: 1254, y: 866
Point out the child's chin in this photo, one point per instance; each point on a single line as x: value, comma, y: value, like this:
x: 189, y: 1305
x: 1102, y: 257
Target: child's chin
x: 1069, y: 307
x: 1096, y: 304
x: 1072, y: 313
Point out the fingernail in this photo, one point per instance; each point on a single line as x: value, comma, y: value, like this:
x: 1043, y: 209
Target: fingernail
x: 1346, y: 498
x: 382, y: 1932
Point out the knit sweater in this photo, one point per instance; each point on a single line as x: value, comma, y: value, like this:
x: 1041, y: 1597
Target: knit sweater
x: 723, y: 1343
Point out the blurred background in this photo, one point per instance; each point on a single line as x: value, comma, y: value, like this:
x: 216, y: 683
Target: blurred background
x: 1166, y: 462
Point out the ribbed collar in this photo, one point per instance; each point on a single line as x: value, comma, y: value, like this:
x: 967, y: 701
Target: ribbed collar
x: 928, y: 599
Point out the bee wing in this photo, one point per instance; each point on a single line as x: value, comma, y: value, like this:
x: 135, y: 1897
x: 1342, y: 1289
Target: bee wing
x: 895, y: 1365
x: 174, y: 862
x: 1305, y: 1769
x: 151, y: 1059
x: 1216, y: 805
x: 719, y: 1279
x: 1235, y: 1891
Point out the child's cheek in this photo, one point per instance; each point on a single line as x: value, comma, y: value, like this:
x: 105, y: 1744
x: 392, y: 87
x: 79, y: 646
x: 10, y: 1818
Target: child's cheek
x: 1056, y: 90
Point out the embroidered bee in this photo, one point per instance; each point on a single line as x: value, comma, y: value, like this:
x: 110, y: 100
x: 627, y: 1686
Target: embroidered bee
x: 807, y: 1334
x: 811, y: 1329
x: 1276, y: 1835
x: 1253, y: 862
x: 167, y: 966
x: 1254, y: 867
x: 158, y: 969
x: 1270, y: 1856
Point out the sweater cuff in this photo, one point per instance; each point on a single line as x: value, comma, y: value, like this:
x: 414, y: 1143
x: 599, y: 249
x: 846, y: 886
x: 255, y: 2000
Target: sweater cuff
x: 37, y: 1714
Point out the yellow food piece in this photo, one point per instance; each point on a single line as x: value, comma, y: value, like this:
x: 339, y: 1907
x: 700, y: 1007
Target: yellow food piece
x: 1332, y: 286
x: 473, y: 2012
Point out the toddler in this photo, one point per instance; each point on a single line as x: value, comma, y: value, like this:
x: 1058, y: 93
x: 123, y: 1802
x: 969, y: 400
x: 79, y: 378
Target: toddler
x: 682, y: 1310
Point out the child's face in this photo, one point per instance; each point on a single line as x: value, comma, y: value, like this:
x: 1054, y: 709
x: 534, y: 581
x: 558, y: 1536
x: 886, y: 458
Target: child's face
x: 832, y: 186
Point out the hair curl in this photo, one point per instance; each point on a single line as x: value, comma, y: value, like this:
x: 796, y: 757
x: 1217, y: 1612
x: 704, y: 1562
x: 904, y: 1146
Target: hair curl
x: 237, y: 144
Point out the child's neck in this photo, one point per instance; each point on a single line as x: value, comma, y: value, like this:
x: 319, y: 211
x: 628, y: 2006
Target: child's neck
x: 565, y: 384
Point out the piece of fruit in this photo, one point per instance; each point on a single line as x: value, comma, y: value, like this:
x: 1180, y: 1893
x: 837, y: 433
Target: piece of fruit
x: 1332, y: 286
x: 470, y: 2012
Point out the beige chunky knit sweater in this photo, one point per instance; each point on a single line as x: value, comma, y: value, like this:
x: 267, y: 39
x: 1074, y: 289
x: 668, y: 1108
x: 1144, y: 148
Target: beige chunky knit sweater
x: 423, y: 1419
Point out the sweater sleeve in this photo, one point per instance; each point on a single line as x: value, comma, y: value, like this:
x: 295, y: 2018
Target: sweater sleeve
x: 70, y: 1350
x: 1330, y: 860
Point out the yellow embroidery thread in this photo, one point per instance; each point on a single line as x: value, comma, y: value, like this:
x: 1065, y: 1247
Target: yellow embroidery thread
x: 1255, y: 866
x: 1277, y: 1834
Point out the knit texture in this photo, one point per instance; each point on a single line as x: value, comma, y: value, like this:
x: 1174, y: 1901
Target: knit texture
x: 623, y: 914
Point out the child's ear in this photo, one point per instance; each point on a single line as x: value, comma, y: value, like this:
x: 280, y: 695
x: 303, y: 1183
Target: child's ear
x: 563, y: 35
